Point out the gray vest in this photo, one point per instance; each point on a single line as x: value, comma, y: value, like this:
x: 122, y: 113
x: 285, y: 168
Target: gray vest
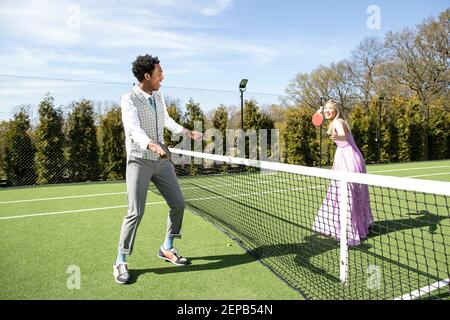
x: 151, y: 123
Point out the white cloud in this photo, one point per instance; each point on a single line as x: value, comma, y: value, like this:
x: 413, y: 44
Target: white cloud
x: 44, y: 43
x: 192, y: 67
x: 55, y: 63
x: 164, y: 3
x: 140, y: 27
x: 44, y: 21
x: 218, y: 7
x: 77, y: 58
x: 23, y: 58
x: 39, y: 58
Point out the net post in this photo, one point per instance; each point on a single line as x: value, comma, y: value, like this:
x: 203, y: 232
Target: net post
x: 343, y: 218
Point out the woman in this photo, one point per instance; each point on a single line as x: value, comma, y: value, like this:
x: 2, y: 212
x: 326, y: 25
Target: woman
x: 347, y: 158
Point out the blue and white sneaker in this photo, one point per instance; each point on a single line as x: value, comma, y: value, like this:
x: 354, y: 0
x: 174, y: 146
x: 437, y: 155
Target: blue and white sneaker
x: 121, y: 274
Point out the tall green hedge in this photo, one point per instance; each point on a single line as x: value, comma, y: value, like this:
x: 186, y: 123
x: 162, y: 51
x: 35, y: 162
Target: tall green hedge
x: 19, y: 152
x: 82, y: 150
x: 49, y: 159
x: 113, y: 153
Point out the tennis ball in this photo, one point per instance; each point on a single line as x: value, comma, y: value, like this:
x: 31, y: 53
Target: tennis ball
x: 229, y: 244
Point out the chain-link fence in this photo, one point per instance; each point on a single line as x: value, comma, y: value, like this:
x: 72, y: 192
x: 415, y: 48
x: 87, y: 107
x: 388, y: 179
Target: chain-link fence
x: 64, y: 131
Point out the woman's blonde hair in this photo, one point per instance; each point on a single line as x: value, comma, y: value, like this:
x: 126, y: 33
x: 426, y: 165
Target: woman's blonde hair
x: 339, y: 114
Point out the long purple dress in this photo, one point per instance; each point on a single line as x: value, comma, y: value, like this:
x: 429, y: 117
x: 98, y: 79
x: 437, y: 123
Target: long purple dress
x: 347, y: 158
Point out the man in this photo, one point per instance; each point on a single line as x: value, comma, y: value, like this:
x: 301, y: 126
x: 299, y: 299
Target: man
x: 144, y: 116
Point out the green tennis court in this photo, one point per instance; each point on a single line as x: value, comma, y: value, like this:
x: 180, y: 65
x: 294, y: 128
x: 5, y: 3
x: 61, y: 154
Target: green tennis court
x: 59, y: 242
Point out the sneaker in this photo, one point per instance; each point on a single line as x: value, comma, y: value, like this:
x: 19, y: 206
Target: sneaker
x: 121, y: 273
x: 173, y: 256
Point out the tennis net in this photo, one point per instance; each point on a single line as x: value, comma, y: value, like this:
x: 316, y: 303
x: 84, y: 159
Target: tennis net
x: 289, y: 218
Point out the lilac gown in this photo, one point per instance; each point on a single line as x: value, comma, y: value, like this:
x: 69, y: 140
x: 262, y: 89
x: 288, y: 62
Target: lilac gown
x: 347, y: 158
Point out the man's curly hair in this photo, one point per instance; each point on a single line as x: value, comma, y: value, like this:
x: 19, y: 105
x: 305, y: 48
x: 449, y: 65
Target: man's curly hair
x: 144, y: 64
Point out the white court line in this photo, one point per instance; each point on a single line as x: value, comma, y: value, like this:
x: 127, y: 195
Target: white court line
x: 152, y: 203
x: 116, y: 193
x: 409, y: 169
x: 72, y: 211
x: 63, y: 198
x: 430, y: 174
x: 422, y: 291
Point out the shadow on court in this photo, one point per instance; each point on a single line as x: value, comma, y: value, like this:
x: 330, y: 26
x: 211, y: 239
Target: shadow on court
x: 424, y: 219
x: 293, y: 254
x: 216, y: 262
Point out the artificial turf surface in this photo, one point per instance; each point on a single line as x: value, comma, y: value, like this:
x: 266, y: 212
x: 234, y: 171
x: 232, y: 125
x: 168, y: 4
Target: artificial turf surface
x: 40, y: 252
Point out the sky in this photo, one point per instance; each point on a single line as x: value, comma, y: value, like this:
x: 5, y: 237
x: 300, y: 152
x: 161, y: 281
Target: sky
x: 201, y: 44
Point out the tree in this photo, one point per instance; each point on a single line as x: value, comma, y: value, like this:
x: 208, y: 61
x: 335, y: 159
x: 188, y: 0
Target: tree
x: 447, y: 156
x: 49, y: 158
x: 174, y: 112
x: 301, y: 145
x: 267, y: 123
x: 439, y: 131
x: 366, y: 59
x: 19, y: 152
x: 82, y: 149
x: 359, y: 123
x: 278, y: 115
x: 328, y: 149
x: 193, y: 114
x: 194, y: 119
x: 252, y: 115
x: 342, y: 86
x: 409, y: 124
x: 252, y: 125
x: 388, y: 133
x: 306, y: 89
x: 421, y: 57
x: 416, y: 129
x: 4, y: 126
x: 221, y: 122
x: 334, y: 82
x: 113, y: 155
x: 220, y: 119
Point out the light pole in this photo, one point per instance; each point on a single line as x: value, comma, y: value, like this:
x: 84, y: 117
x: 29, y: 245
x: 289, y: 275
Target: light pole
x: 242, y: 86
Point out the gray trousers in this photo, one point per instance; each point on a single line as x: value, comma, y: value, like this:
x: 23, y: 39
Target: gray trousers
x: 138, y: 176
